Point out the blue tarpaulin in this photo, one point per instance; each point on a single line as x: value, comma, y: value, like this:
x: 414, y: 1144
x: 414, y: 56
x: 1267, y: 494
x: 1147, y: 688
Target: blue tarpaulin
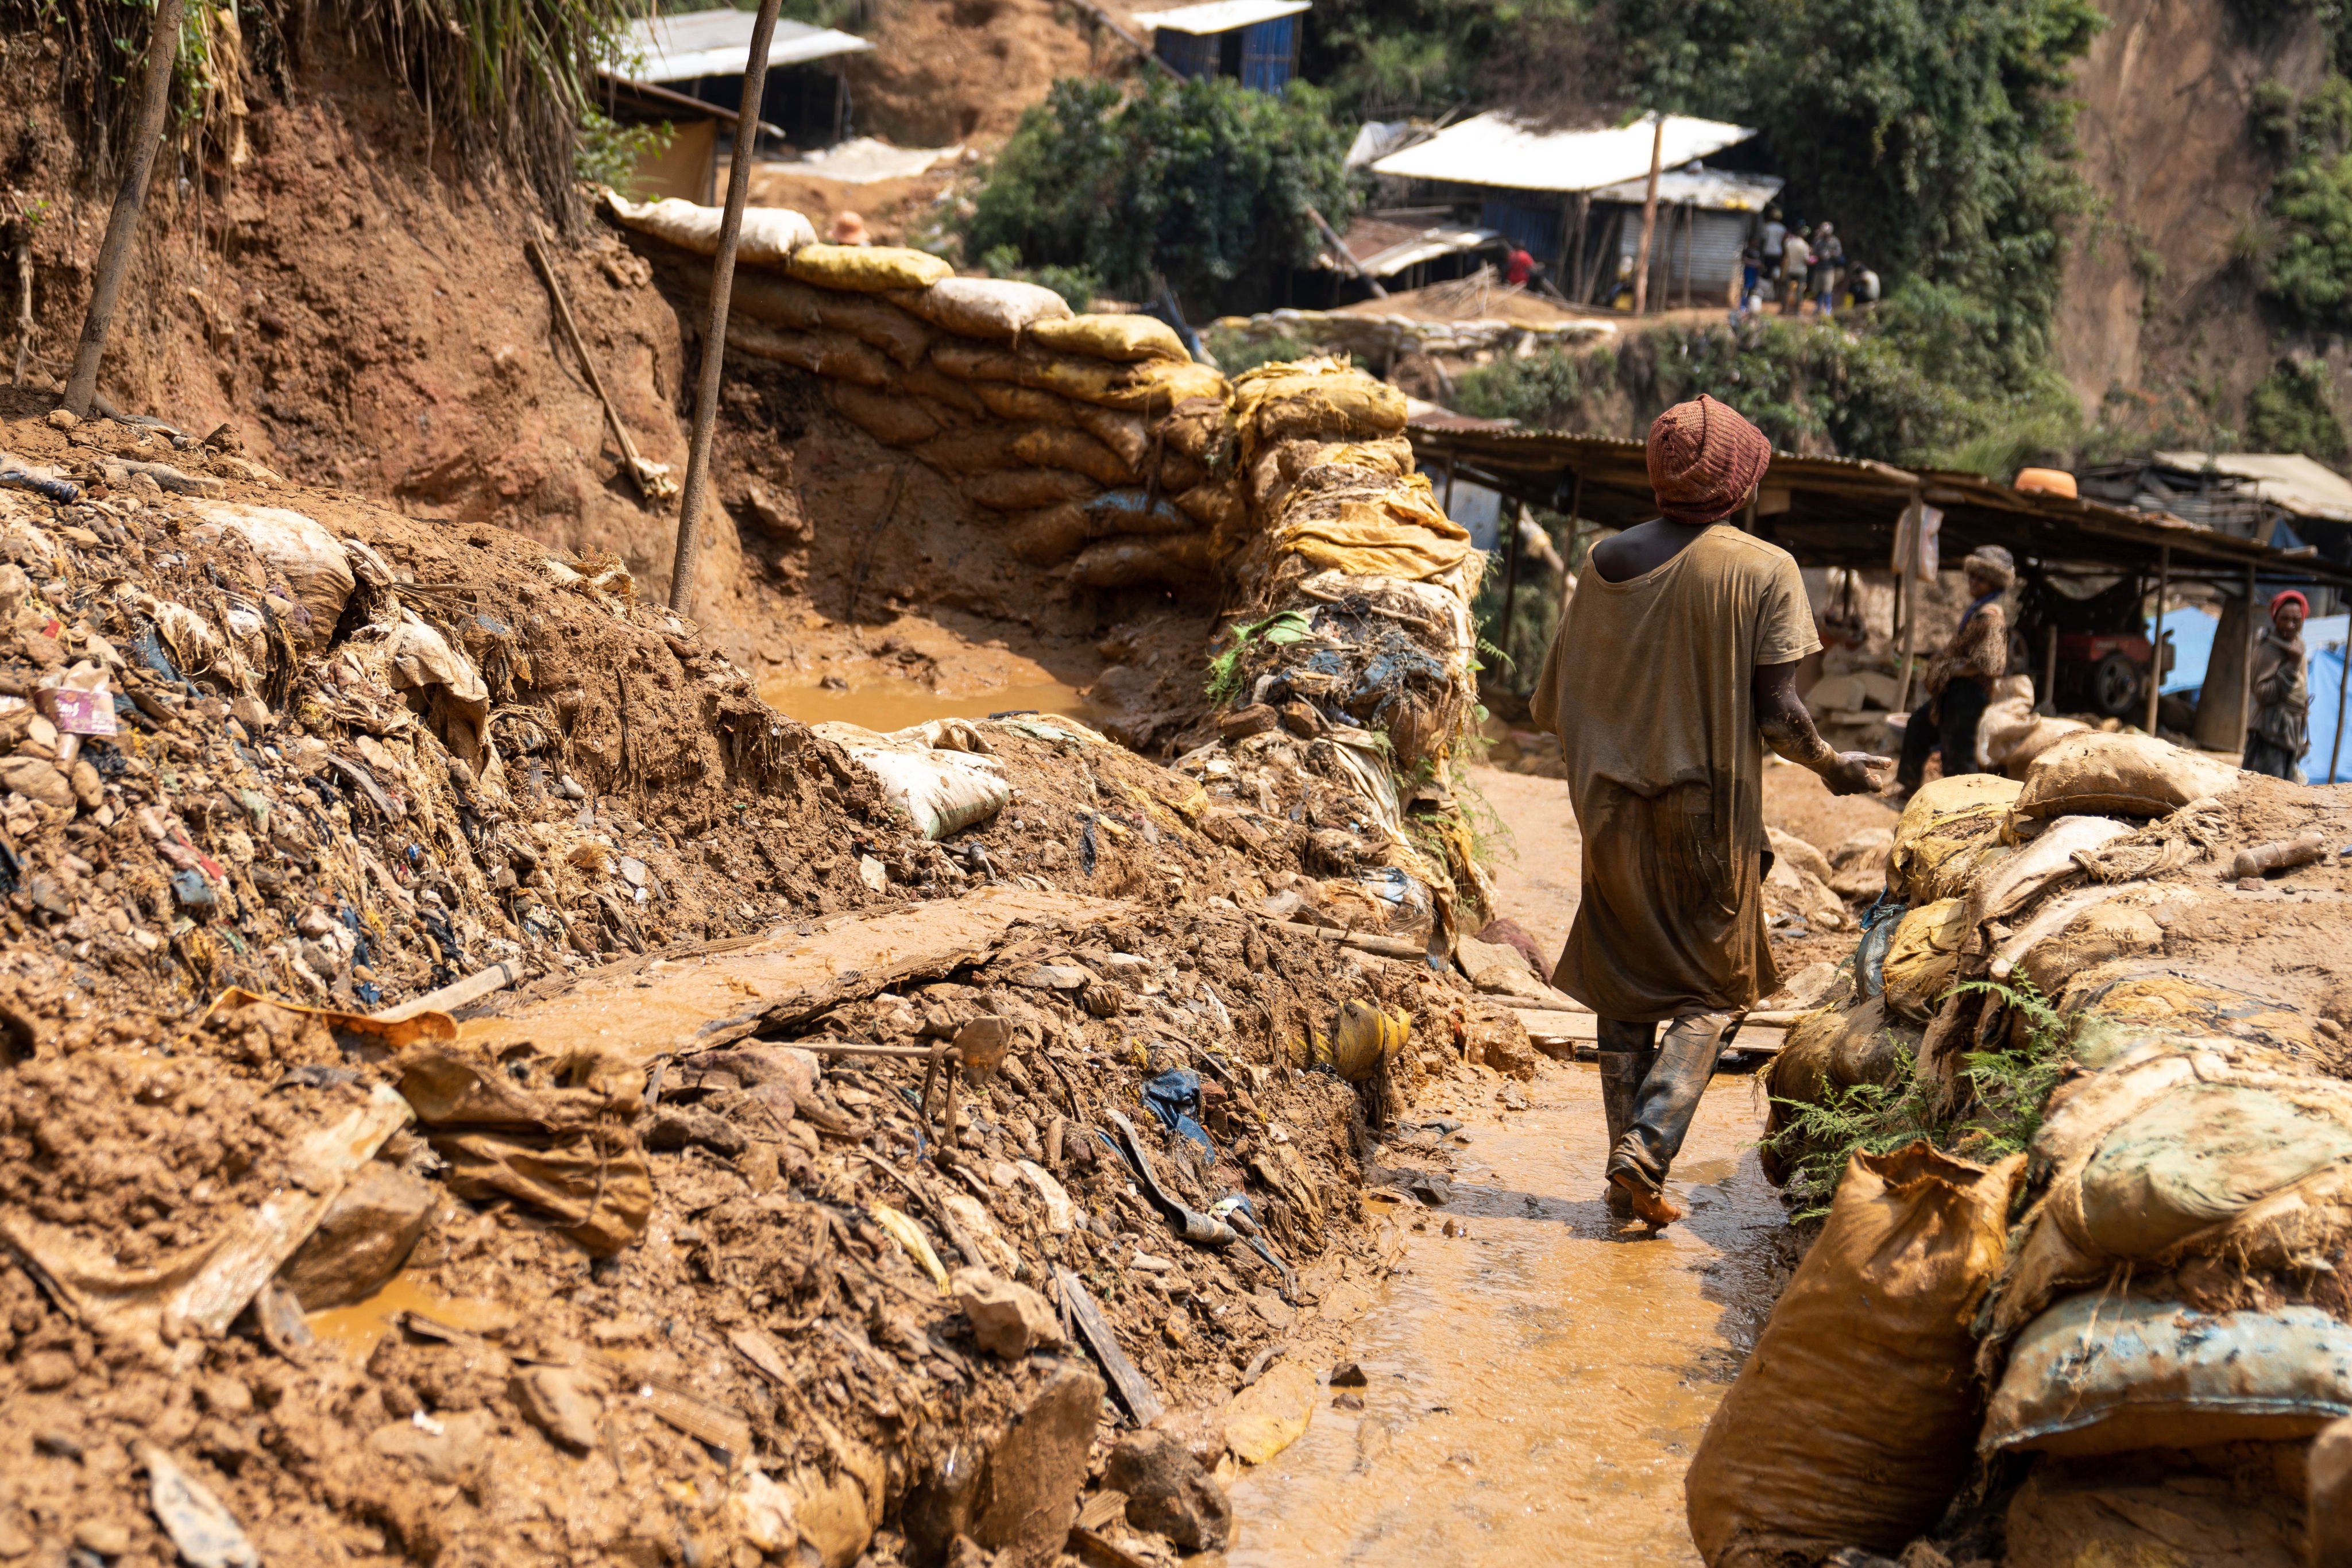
x: 2191, y: 632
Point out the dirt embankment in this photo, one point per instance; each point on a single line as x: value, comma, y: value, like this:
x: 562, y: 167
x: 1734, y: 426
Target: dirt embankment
x: 664, y: 1302
x: 2157, y: 299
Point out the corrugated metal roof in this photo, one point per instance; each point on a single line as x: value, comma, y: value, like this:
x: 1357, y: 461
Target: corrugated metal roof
x: 681, y: 47
x: 1219, y: 16
x: 1493, y: 149
x: 1719, y: 190
x: 1427, y: 246
x: 2288, y: 481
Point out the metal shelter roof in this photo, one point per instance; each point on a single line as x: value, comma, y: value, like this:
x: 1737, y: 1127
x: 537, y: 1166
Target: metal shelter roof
x: 1219, y: 16
x: 2288, y: 481
x: 1426, y: 245
x: 683, y: 47
x: 1493, y: 149
x: 1842, y: 511
x: 1717, y: 190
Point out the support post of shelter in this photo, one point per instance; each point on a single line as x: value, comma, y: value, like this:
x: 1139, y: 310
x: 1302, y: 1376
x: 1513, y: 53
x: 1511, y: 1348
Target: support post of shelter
x: 696, y: 489
x: 2343, y: 671
x: 1649, y: 220
x: 2049, y: 703
x: 2155, y: 650
x: 1906, y: 595
x: 2246, y: 667
x: 1576, y: 246
x: 1509, y: 518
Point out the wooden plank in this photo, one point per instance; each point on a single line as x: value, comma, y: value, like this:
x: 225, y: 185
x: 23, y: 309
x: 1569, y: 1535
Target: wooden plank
x: 1134, y: 1389
x: 1579, y: 1032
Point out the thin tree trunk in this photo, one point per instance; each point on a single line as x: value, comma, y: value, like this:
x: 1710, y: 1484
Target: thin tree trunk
x: 1649, y: 221
x: 714, y: 338
x: 123, y: 223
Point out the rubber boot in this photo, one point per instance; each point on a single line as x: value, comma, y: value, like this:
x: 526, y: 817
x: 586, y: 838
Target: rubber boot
x: 1626, y: 1053
x: 1662, y: 1114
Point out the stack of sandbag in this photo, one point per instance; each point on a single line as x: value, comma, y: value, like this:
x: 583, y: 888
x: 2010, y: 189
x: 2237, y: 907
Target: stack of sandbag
x: 2011, y: 735
x: 1354, y: 630
x: 1097, y: 439
x: 2175, y: 1280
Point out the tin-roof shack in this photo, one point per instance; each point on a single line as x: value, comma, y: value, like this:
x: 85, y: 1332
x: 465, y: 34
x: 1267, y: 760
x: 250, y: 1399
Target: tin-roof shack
x: 1572, y: 199
x: 670, y: 66
x: 1255, y: 41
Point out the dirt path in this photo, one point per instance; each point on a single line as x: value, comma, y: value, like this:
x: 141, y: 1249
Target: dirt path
x: 1535, y: 1385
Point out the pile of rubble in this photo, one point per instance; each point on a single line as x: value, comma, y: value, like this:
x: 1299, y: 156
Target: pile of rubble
x: 831, y: 1165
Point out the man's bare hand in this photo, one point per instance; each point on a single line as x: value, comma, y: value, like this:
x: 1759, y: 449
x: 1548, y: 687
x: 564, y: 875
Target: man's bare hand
x: 1857, y: 773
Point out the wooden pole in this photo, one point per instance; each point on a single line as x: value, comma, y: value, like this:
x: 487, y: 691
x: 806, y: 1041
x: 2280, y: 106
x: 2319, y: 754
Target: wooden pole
x: 1690, y: 222
x: 1907, y: 599
x: 1649, y: 220
x: 714, y: 339
x: 1576, y: 247
x: 2155, y: 658
x: 2050, y: 670
x: 1510, y: 579
x: 130, y: 198
x: 2246, y: 669
x: 2343, y: 670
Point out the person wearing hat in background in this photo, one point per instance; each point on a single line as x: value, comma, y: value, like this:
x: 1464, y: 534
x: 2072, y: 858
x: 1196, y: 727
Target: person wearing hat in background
x: 1674, y: 667
x: 1959, y: 681
x: 2281, y: 731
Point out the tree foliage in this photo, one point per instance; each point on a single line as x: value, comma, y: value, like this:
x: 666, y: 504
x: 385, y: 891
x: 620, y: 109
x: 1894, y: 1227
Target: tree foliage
x: 1204, y: 183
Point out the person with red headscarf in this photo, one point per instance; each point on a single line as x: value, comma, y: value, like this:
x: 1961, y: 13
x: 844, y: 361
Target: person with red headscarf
x: 1674, y: 667
x: 2281, y: 731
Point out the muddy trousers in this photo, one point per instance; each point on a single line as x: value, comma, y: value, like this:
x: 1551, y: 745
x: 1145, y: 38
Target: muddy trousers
x: 1649, y: 1094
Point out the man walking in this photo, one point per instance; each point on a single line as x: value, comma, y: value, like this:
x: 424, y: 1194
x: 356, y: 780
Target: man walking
x: 1959, y: 681
x: 1674, y: 667
x: 2281, y: 731
x: 1796, y: 256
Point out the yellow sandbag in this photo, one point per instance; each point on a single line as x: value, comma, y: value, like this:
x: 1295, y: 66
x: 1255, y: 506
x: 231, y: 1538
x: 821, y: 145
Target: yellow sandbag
x: 1112, y: 337
x: 1216, y: 505
x: 1010, y: 400
x: 1050, y: 535
x: 867, y: 269
x: 893, y: 419
x: 1199, y: 427
x: 1027, y: 490
x: 1403, y: 533
x: 927, y: 380
x: 1170, y: 560
x: 781, y: 302
x: 1129, y: 435
x: 1392, y: 456
x: 830, y: 353
x: 1925, y: 957
x: 1855, y: 1419
x: 968, y: 361
x: 2117, y: 774
x: 1950, y: 829
x: 974, y: 449
x: 1053, y: 447
x: 999, y: 309
x: 1317, y: 400
x: 1150, y: 386
x: 1178, y: 473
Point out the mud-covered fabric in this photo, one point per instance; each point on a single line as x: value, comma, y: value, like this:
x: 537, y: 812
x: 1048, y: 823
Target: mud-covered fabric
x: 1704, y: 458
x: 1648, y: 686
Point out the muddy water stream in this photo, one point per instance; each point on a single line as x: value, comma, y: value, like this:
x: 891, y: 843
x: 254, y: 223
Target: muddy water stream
x: 1537, y: 1386
x: 892, y: 705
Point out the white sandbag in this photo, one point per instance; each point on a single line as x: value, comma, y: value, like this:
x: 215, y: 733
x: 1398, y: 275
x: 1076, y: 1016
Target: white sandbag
x: 941, y: 791
x: 999, y: 309
x: 768, y: 238
x: 312, y: 559
x: 2133, y: 774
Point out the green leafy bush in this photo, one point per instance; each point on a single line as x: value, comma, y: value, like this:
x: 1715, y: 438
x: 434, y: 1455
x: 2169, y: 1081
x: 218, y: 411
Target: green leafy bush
x: 1202, y: 184
x: 2294, y: 410
x: 2308, y: 267
x: 608, y: 150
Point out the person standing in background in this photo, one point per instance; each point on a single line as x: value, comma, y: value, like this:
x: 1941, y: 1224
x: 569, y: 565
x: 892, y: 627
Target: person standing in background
x: 1959, y: 682
x: 2281, y: 731
x: 1775, y: 235
x: 1796, y: 256
x: 1751, y: 272
x: 1828, y: 252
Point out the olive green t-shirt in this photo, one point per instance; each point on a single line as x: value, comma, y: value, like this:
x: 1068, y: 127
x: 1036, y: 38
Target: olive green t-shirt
x: 1649, y: 687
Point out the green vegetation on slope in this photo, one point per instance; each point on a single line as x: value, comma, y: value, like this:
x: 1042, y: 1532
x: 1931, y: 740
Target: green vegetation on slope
x: 1202, y: 184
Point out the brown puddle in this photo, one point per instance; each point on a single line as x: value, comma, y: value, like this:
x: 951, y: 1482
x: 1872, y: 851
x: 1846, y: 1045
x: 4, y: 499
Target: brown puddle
x: 1537, y: 1388
x: 892, y: 705
x: 353, y: 1330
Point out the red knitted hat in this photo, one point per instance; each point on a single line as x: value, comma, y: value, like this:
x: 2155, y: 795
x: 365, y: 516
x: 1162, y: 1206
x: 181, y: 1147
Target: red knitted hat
x: 1704, y: 460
